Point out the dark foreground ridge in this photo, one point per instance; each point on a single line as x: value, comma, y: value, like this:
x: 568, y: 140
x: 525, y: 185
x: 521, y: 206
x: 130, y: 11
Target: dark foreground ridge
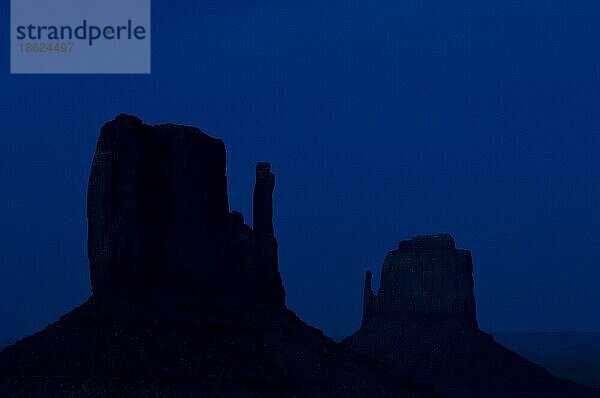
x: 187, y: 299
x: 423, y: 323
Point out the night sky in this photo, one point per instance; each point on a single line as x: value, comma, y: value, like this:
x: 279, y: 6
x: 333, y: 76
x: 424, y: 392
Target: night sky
x: 382, y: 120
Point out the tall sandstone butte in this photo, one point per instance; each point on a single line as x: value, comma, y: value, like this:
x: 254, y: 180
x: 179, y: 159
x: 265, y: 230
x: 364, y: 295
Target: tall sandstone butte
x: 159, y: 217
x: 423, y: 323
x: 187, y: 299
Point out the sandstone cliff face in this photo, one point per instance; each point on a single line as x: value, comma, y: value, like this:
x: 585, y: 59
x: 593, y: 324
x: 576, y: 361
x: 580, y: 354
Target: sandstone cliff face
x: 158, y: 217
x: 426, y: 278
x: 423, y: 323
x: 187, y: 299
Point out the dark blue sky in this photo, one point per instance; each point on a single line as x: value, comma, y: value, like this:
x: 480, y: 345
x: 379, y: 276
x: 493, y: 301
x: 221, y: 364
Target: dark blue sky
x: 382, y: 120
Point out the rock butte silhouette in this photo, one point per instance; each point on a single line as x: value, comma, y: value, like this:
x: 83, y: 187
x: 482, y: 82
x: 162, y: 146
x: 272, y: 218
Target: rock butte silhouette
x: 187, y: 300
x: 423, y: 323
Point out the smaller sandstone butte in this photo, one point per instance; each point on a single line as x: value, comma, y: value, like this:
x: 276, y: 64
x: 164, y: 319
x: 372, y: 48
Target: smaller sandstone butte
x: 187, y: 299
x: 423, y: 323
x: 426, y: 279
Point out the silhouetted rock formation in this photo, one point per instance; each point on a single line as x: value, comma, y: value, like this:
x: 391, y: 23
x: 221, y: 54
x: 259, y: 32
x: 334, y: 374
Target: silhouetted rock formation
x: 187, y: 299
x: 423, y: 323
x: 427, y: 279
x: 158, y: 208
